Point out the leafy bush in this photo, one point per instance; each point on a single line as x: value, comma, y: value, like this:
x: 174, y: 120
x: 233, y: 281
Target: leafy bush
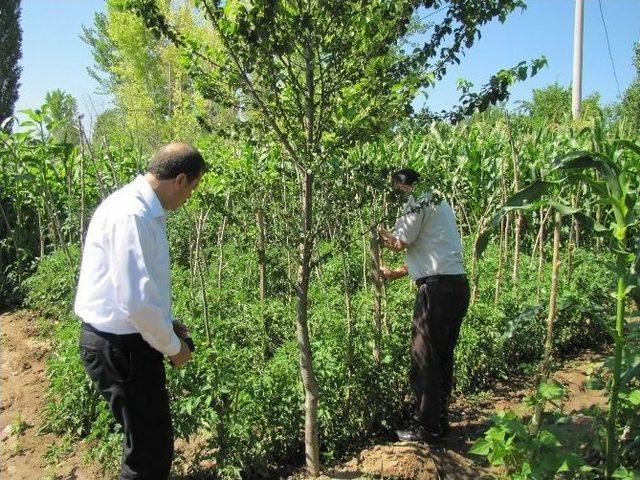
x: 51, y: 289
x: 73, y: 402
x: 510, y: 444
x: 12, y: 276
x: 242, y: 391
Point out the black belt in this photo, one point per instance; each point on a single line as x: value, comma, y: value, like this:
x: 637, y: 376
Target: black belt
x: 112, y: 336
x: 441, y: 279
x: 128, y: 337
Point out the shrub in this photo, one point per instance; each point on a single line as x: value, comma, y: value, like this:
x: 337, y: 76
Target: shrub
x: 51, y: 289
x: 243, y: 391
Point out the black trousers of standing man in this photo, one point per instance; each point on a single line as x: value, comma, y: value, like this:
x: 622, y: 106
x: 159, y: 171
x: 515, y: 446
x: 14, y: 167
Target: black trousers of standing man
x: 441, y: 304
x: 130, y: 375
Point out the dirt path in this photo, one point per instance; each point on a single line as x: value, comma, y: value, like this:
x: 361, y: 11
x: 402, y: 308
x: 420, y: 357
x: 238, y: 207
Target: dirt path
x: 29, y: 454
x: 26, y: 452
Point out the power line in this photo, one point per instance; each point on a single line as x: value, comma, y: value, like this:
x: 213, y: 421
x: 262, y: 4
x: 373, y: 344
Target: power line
x: 606, y: 35
x: 435, y: 12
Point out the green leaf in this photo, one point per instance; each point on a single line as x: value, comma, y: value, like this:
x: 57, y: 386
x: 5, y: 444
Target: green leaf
x: 529, y: 194
x: 623, y: 473
x: 582, y: 160
x: 594, y: 383
x: 563, y: 209
x: 548, y: 439
x: 481, y: 447
x: 626, y: 144
x: 633, y: 397
x: 551, y: 390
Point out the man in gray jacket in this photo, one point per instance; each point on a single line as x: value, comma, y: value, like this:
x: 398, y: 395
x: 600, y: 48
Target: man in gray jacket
x: 428, y: 235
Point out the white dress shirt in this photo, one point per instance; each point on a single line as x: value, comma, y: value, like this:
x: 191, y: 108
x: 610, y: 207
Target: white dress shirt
x: 433, y: 241
x: 124, y: 284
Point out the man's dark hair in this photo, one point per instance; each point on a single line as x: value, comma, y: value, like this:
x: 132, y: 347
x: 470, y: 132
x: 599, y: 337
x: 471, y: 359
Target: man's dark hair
x: 176, y: 158
x: 405, y: 176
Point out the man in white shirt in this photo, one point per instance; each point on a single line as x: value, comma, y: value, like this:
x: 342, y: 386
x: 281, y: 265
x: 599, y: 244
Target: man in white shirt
x: 124, y: 301
x: 427, y: 233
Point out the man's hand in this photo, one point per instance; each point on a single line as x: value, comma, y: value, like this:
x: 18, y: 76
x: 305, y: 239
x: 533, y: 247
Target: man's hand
x: 183, y: 333
x: 386, y: 274
x: 181, y: 329
x: 383, y: 235
x: 390, y: 275
x: 391, y: 242
x: 182, y: 357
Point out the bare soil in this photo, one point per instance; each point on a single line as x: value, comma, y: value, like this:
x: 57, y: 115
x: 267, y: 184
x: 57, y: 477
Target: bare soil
x: 28, y: 453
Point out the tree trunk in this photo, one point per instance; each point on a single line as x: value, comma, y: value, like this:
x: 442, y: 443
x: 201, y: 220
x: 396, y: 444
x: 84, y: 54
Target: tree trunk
x: 41, y: 236
x: 348, y: 310
x: 85, y: 141
x: 501, y: 248
x: 475, y: 275
x: 262, y: 281
x: 377, y: 294
x: 543, y: 372
x: 516, y: 246
x: 9, y: 230
x: 201, y: 268
x: 599, y: 240
x: 55, y: 222
x: 302, y: 331
x: 570, y: 246
x: 192, y: 272
x: 541, y: 252
x: 507, y: 231
x: 504, y: 232
x: 365, y: 263
x: 518, y: 216
x: 220, y: 243
x: 312, y: 448
x: 262, y: 258
x: 82, y: 193
x: 576, y: 222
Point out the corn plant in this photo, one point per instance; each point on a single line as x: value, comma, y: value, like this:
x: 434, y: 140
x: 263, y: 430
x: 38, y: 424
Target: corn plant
x: 615, y: 187
x: 611, y: 176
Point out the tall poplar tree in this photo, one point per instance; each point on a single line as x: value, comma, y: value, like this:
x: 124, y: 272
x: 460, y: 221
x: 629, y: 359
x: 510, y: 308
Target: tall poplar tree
x: 10, y: 46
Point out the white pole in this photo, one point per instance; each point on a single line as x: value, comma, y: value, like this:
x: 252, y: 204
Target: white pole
x: 577, y: 59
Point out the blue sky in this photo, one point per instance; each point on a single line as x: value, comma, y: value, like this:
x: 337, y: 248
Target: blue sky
x: 55, y: 57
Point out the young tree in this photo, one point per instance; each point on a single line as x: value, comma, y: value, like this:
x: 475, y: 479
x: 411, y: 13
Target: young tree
x: 104, y: 52
x: 552, y: 104
x: 154, y: 98
x: 10, y: 46
x: 316, y: 78
x: 63, y: 111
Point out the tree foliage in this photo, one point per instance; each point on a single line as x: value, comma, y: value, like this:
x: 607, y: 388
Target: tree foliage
x: 153, y: 96
x: 552, y: 105
x: 318, y: 78
x: 11, y: 48
x: 63, y: 110
x: 630, y: 105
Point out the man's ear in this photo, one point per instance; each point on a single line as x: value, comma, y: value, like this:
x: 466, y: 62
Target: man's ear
x: 182, y: 180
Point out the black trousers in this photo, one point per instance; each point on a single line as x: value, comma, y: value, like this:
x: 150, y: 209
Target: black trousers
x: 130, y: 375
x: 441, y: 304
